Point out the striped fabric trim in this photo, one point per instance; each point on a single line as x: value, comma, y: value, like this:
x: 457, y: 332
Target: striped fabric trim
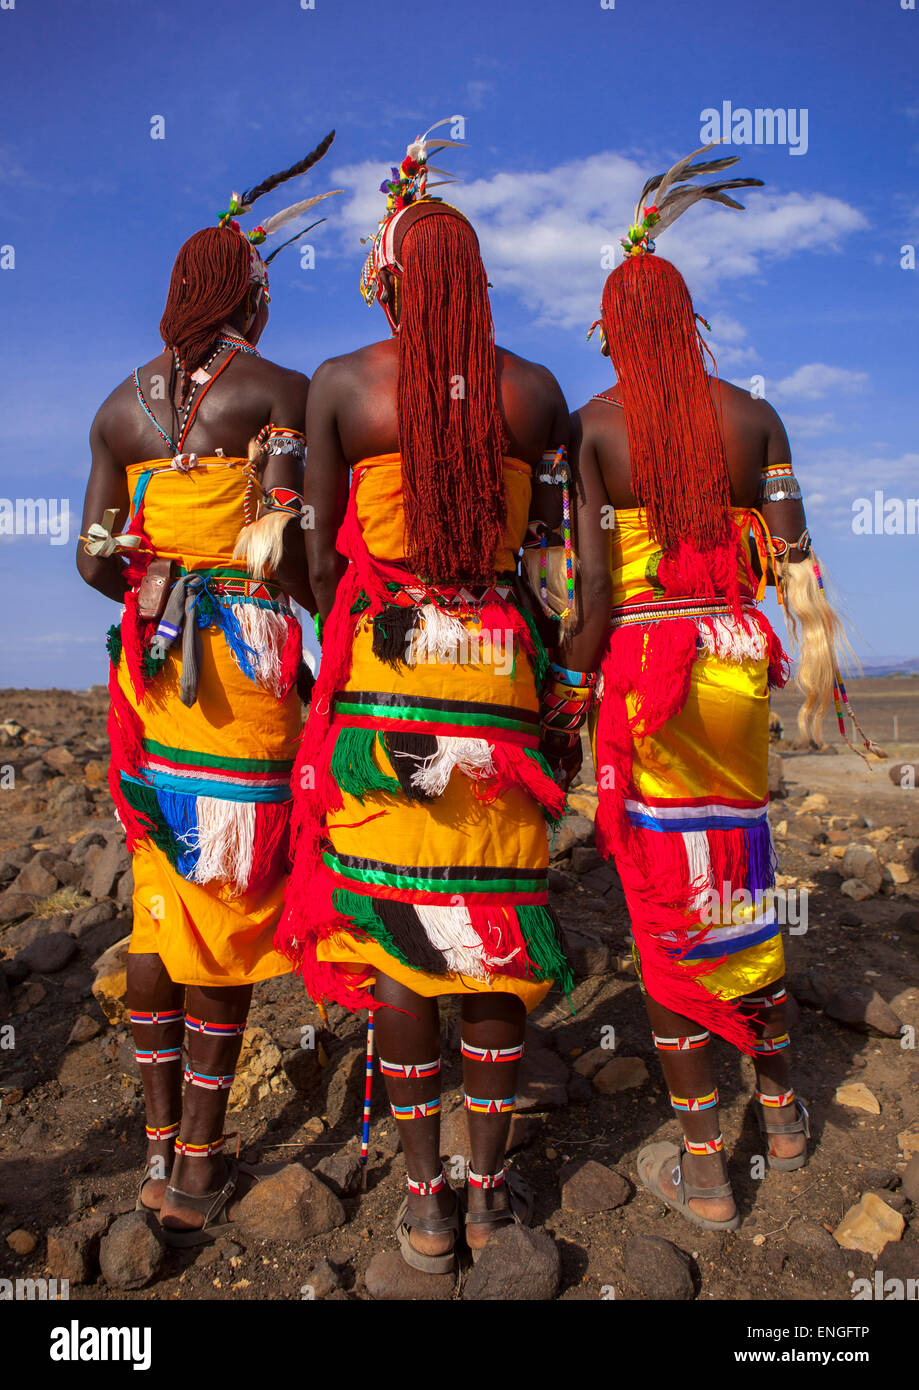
x: 486, y: 1105
x: 373, y: 706
x: 694, y: 1103
x: 185, y: 758
x: 491, y: 1054
x: 444, y: 881
x: 421, y: 1110
x: 410, y: 1071
x: 202, y: 786
x: 740, y: 939
x: 668, y: 609
x: 156, y: 1056
x: 161, y: 1019
x: 691, y: 815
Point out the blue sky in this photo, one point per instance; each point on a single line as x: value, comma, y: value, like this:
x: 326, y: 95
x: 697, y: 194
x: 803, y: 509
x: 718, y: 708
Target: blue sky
x: 568, y: 108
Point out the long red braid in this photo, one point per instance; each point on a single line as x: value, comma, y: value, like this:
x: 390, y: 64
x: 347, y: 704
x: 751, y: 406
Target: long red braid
x: 676, y: 450
x: 209, y: 281
x: 451, y: 434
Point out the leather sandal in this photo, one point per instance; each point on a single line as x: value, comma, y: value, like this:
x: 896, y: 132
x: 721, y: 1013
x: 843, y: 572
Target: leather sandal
x: 140, y: 1204
x: 653, y: 1159
x: 429, y: 1226
x: 519, y: 1210
x: 799, y: 1125
x: 211, y: 1205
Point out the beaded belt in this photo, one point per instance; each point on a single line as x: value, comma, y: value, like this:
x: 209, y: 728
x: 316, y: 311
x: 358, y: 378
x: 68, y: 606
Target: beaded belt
x: 668, y: 608
x: 447, y: 595
x: 246, y: 588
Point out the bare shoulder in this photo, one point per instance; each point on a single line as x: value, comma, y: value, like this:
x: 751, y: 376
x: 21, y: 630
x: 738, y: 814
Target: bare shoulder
x: 274, y: 374
x: 752, y: 409
x: 521, y: 370
x: 114, y: 408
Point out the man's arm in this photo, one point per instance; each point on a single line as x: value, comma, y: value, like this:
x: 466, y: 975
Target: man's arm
x: 285, y: 470
x: 785, y: 519
x: 107, y: 488
x: 325, y: 486
x: 583, y: 648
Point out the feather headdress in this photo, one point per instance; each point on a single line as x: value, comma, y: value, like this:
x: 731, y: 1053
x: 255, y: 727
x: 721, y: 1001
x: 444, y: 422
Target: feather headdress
x: 674, y: 197
x: 240, y: 204
x: 407, y: 185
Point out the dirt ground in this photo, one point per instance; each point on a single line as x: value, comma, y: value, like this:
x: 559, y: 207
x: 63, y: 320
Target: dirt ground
x: 71, y: 1120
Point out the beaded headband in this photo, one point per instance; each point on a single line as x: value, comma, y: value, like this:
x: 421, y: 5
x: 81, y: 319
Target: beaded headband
x: 240, y: 204
x: 407, y: 186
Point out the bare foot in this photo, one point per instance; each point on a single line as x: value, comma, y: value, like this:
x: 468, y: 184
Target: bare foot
x: 442, y: 1203
x: 196, y: 1177
x: 708, y: 1171
x: 485, y: 1199
x: 160, y: 1158
x: 784, y: 1145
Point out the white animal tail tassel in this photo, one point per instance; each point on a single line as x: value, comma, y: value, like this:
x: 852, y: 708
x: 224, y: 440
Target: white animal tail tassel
x: 699, y: 860
x: 226, y: 835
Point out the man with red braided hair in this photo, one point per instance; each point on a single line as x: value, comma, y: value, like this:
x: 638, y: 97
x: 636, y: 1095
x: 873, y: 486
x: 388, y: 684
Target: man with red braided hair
x: 421, y: 794
x: 691, y: 468
x: 200, y: 455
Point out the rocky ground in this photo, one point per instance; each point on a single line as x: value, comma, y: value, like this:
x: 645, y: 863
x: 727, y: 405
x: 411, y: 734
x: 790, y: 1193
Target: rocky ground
x: 71, y: 1116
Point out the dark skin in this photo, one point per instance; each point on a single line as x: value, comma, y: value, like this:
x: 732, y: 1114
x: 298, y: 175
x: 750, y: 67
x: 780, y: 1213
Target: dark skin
x: 351, y: 415
x: 754, y: 437
x: 251, y: 393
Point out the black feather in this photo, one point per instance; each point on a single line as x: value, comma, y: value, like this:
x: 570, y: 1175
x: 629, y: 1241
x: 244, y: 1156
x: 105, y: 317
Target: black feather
x: 303, y: 232
x: 249, y: 197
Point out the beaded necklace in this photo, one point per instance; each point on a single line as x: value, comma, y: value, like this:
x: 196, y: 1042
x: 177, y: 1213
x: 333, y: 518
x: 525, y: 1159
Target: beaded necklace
x: 191, y: 409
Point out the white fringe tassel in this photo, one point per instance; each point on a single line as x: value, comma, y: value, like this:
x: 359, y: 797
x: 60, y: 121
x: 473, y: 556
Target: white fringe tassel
x: 473, y: 756
x: 437, y: 636
x: 726, y: 638
x: 450, y: 931
x: 226, y: 835
x: 700, y: 867
x: 266, y: 632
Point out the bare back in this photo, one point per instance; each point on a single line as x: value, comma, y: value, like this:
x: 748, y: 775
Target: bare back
x: 752, y: 431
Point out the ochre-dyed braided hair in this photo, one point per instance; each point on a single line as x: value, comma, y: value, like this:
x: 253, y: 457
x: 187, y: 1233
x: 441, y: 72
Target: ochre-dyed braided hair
x: 210, y: 279
x: 676, y: 449
x: 451, y: 435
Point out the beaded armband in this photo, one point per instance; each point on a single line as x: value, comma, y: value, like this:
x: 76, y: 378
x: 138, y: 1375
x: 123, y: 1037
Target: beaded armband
x: 779, y: 484
x: 282, y: 441
x: 564, y: 706
x: 283, y: 499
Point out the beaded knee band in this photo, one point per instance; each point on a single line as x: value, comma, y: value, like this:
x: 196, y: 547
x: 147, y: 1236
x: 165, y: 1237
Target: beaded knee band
x: 410, y: 1070
x: 486, y: 1180
x: 162, y: 1131
x: 156, y: 1019
x: 428, y: 1189
x: 491, y: 1054
x: 768, y: 1001
x: 186, y: 1150
x: 702, y: 1147
x: 775, y: 1102
x: 680, y: 1044
x: 694, y: 1102
x: 155, y: 1056
x: 764, y: 1047
x: 489, y: 1106
x: 214, y: 1030
x: 207, y: 1081
x: 421, y: 1110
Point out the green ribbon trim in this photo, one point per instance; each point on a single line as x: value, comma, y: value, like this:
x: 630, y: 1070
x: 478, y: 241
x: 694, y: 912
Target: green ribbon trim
x: 443, y: 886
x: 432, y: 715
x: 214, y: 760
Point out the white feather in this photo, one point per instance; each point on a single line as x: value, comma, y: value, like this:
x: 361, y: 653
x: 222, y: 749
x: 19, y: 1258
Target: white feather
x: 277, y: 220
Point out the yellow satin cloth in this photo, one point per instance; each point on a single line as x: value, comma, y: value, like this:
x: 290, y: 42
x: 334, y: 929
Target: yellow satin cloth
x: 456, y: 828
x: 715, y: 749
x: 381, y: 513
x: 204, y: 933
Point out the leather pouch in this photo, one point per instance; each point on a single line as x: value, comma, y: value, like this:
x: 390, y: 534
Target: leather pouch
x: 154, y: 590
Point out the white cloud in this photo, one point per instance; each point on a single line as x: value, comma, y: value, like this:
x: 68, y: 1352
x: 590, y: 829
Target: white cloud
x: 831, y: 479
x: 544, y: 233
x: 815, y: 380
x: 810, y: 426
